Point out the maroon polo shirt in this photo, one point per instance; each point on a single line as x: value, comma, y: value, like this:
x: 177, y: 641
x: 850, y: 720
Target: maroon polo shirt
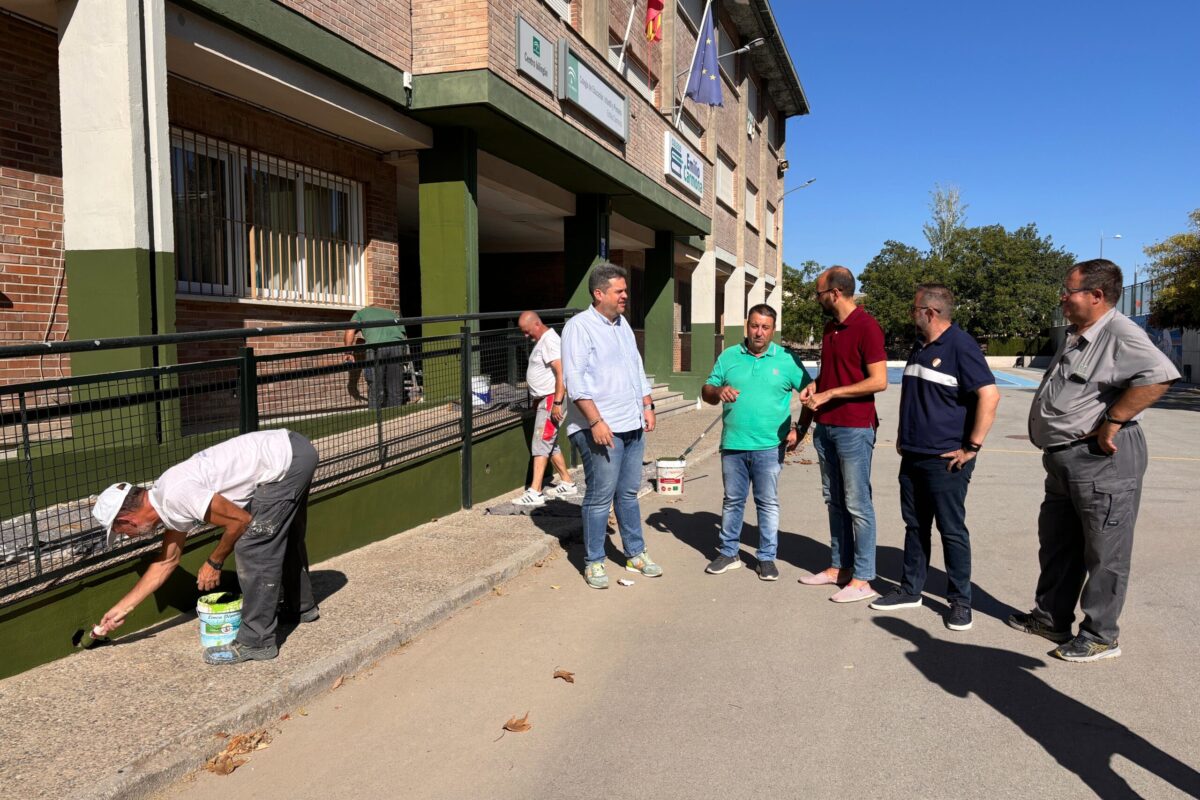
x: 846, y: 349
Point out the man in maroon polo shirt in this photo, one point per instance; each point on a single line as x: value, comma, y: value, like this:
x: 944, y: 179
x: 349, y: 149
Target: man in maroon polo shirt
x: 853, y: 370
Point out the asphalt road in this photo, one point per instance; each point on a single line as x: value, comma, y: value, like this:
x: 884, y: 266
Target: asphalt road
x: 693, y: 685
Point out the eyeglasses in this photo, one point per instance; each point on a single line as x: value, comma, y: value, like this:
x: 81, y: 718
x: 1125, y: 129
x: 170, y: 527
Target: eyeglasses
x: 825, y: 291
x: 914, y: 309
x: 1067, y: 291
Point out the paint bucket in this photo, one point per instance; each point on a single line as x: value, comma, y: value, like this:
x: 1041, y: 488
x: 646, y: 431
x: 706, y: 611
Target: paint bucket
x: 481, y: 390
x: 220, y: 616
x: 669, y: 475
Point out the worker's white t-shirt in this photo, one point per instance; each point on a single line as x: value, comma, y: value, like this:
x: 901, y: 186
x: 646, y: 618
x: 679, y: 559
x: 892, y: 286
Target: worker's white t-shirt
x: 232, y: 469
x: 540, y: 375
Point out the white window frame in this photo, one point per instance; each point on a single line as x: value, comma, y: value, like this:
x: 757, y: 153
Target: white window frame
x: 238, y: 161
x: 770, y: 221
x: 751, y: 210
x: 725, y: 186
x: 232, y: 166
x: 560, y: 7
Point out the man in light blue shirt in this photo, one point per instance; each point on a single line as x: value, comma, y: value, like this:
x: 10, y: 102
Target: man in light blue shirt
x: 610, y: 409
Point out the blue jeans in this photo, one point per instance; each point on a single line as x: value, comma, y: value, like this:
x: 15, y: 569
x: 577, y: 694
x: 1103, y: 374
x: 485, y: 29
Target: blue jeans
x: 613, y: 476
x: 845, y: 455
x: 740, y: 469
x: 928, y: 493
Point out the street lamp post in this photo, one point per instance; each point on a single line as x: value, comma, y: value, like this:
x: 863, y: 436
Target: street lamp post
x: 804, y: 185
x: 1103, y: 237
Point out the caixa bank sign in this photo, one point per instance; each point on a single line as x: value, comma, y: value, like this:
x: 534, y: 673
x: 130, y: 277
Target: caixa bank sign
x: 682, y: 166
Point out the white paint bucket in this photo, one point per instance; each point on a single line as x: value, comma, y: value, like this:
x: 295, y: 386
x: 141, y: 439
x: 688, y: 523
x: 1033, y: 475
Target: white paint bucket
x: 481, y: 390
x: 669, y: 475
x: 220, y: 616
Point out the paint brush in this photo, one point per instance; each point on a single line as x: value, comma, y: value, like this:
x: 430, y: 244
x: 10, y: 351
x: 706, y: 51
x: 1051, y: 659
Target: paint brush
x: 86, y: 640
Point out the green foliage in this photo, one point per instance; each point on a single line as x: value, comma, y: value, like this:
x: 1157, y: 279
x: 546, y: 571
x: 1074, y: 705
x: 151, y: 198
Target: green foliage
x: 1175, y: 262
x: 802, y: 319
x: 1006, y: 282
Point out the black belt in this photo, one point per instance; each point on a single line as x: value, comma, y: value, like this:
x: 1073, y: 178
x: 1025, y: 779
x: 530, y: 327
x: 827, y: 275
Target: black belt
x: 1058, y: 448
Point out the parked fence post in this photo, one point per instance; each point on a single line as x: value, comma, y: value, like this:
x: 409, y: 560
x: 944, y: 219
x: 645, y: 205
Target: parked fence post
x: 31, y: 486
x: 468, y: 410
x: 248, y: 389
x: 376, y: 386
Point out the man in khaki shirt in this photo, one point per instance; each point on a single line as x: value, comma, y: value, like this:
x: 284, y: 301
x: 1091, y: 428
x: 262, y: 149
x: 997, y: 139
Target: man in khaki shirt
x: 1084, y: 418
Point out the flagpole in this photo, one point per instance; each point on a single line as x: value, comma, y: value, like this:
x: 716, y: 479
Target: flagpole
x: 625, y: 42
x: 692, y: 63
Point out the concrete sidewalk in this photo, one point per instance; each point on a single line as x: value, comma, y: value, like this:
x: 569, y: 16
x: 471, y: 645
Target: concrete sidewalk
x: 127, y: 718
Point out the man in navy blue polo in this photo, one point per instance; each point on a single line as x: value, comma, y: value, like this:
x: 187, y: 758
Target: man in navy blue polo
x: 948, y: 402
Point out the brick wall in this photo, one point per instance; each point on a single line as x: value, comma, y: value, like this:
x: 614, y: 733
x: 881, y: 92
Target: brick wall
x: 450, y: 37
x: 381, y: 27
x: 643, y: 148
x: 31, y: 256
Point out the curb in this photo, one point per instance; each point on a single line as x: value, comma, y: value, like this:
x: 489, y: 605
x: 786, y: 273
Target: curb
x: 187, y: 751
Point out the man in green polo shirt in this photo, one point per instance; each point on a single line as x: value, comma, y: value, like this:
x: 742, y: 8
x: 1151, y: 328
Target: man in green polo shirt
x: 388, y: 362
x: 755, y: 381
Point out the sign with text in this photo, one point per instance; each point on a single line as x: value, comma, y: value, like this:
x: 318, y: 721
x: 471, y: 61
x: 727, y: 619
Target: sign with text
x: 582, y: 86
x: 682, y: 166
x: 535, y: 54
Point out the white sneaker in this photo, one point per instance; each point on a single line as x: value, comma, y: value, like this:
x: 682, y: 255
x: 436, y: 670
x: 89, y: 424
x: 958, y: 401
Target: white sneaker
x: 565, y: 489
x: 530, y: 498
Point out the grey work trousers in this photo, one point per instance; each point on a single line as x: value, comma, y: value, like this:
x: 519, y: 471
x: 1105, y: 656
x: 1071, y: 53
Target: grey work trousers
x: 271, y: 555
x: 1085, y: 533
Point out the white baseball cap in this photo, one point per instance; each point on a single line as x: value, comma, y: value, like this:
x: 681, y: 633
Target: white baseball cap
x: 108, y: 504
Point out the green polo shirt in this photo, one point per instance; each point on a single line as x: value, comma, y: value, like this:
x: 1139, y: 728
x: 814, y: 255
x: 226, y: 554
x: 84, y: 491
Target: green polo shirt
x: 762, y: 414
x: 382, y: 334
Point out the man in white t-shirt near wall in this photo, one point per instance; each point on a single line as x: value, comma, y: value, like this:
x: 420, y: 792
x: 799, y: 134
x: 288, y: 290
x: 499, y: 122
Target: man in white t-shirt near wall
x: 255, y: 486
x: 545, y: 380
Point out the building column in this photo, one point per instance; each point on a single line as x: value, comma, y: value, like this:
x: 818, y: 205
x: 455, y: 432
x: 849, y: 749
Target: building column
x: 659, y: 293
x: 118, y: 237
x: 449, y: 227
x: 585, y: 244
x: 704, y: 322
x: 775, y: 301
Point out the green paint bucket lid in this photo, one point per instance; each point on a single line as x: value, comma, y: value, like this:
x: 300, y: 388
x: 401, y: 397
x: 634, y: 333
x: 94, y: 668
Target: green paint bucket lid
x: 219, y: 603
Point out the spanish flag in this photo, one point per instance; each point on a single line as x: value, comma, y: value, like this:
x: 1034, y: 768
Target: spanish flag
x: 654, y: 9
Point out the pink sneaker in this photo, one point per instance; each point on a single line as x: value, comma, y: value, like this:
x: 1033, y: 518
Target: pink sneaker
x: 852, y: 594
x: 822, y: 579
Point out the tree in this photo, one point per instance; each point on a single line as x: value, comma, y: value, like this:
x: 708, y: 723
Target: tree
x: 948, y: 216
x: 1175, y: 262
x: 889, y: 280
x: 802, y: 319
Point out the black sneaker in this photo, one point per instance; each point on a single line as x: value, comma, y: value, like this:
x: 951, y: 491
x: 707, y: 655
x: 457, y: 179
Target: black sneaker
x: 767, y: 571
x: 723, y: 564
x: 897, y: 600
x: 1081, y: 648
x: 959, y: 618
x: 1027, y: 623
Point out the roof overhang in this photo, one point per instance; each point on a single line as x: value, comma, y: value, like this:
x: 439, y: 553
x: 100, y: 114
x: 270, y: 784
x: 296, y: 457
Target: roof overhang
x: 754, y: 19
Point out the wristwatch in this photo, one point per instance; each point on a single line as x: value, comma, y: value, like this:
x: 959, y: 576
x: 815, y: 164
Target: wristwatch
x: 214, y: 564
x: 971, y: 447
x: 1109, y: 419
x: 651, y: 406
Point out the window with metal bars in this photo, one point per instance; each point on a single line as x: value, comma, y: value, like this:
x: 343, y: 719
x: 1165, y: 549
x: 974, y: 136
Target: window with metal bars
x: 254, y: 226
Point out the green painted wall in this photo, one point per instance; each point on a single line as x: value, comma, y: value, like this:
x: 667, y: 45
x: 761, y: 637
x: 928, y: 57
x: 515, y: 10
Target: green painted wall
x: 495, y: 460
x: 39, y: 629
x: 585, y: 241
x: 659, y: 290
x: 703, y: 352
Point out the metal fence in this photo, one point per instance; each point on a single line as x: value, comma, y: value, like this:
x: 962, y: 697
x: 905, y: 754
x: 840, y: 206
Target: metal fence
x: 365, y: 407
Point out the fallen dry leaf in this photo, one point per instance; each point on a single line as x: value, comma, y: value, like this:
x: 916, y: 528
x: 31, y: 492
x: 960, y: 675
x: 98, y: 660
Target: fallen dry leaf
x: 518, y: 725
x: 806, y: 461
x: 497, y: 590
x: 569, y: 677
x: 540, y: 563
x: 303, y: 712
x: 226, y: 761
x: 555, y: 586
x: 341, y: 679
x: 285, y: 717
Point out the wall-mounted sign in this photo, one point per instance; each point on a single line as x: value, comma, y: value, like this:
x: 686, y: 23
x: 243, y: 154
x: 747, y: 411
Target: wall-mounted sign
x: 535, y: 54
x: 682, y: 166
x: 581, y: 85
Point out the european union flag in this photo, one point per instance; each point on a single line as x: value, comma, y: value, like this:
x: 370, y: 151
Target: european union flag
x: 704, y: 83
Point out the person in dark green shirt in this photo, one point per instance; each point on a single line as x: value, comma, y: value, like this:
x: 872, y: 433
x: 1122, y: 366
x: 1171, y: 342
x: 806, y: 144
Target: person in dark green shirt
x: 755, y: 381
x: 388, y: 361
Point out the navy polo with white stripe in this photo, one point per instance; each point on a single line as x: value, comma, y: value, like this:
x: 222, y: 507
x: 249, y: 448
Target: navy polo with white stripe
x: 937, y: 395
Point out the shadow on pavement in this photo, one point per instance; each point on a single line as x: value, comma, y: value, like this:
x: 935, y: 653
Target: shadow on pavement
x: 1180, y: 400
x: 700, y: 530
x: 1077, y: 736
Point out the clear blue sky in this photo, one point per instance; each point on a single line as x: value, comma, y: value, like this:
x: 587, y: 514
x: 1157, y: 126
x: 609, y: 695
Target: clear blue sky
x: 1077, y: 116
